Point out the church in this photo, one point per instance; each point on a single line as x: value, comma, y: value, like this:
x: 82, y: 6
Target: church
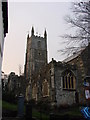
x: 60, y: 83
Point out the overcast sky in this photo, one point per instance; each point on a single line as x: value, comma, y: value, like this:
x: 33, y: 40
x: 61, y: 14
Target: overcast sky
x: 22, y: 16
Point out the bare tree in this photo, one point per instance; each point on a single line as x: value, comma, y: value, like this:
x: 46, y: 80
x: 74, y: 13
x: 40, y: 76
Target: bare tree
x: 80, y: 21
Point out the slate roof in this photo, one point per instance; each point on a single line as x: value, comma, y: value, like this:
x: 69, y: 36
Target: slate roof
x: 75, y: 55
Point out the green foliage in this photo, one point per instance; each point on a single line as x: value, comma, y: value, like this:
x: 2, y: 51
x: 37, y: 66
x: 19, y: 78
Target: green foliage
x: 9, y: 97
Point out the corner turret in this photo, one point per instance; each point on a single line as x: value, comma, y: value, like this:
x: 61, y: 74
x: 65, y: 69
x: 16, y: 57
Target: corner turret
x: 28, y: 36
x: 32, y: 31
x: 45, y: 34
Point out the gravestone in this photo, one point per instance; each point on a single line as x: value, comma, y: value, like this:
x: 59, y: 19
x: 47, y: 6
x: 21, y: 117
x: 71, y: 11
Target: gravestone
x: 21, y: 106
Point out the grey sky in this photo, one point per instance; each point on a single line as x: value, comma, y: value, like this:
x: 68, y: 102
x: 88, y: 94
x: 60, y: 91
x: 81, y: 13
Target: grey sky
x: 24, y: 15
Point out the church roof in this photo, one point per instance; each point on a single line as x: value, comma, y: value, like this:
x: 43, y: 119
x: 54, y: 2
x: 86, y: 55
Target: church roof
x: 75, y: 55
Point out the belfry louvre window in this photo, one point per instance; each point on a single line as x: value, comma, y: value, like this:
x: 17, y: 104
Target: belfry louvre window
x: 39, y: 44
x: 69, y: 81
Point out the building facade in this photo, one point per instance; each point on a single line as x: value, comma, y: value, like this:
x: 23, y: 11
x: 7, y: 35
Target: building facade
x: 60, y: 83
x: 36, y: 55
x: 82, y: 61
x: 56, y: 83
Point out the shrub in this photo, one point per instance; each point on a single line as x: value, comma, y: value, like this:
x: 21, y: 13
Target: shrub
x: 9, y: 97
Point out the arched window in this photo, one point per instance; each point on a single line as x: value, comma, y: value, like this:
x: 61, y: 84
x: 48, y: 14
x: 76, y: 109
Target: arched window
x: 45, y: 88
x: 34, y: 92
x: 69, y: 81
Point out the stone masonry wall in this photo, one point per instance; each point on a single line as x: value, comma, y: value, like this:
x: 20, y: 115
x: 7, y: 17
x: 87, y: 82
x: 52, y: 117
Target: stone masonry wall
x: 63, y: 97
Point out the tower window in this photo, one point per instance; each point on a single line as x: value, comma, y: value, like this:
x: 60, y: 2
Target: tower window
x: 39, y: 44
x: 39, y: 53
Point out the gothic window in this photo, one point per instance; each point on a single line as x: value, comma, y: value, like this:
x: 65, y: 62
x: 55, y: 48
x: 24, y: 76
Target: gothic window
x: 34, y: 92
x: 45, y: 88
x: 69, y: 81
x: 65, y: 81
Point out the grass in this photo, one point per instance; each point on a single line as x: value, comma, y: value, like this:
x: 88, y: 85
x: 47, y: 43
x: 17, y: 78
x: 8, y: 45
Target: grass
x: 35, y: 113
x: 72, y: 112
x: 39, y: 115
x: 9, y: 106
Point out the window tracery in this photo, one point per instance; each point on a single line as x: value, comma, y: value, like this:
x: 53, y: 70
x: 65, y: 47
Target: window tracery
x: 69, y: 81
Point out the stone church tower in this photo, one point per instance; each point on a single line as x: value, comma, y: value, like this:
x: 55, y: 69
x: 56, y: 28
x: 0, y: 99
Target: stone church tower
x: 36, y: 54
